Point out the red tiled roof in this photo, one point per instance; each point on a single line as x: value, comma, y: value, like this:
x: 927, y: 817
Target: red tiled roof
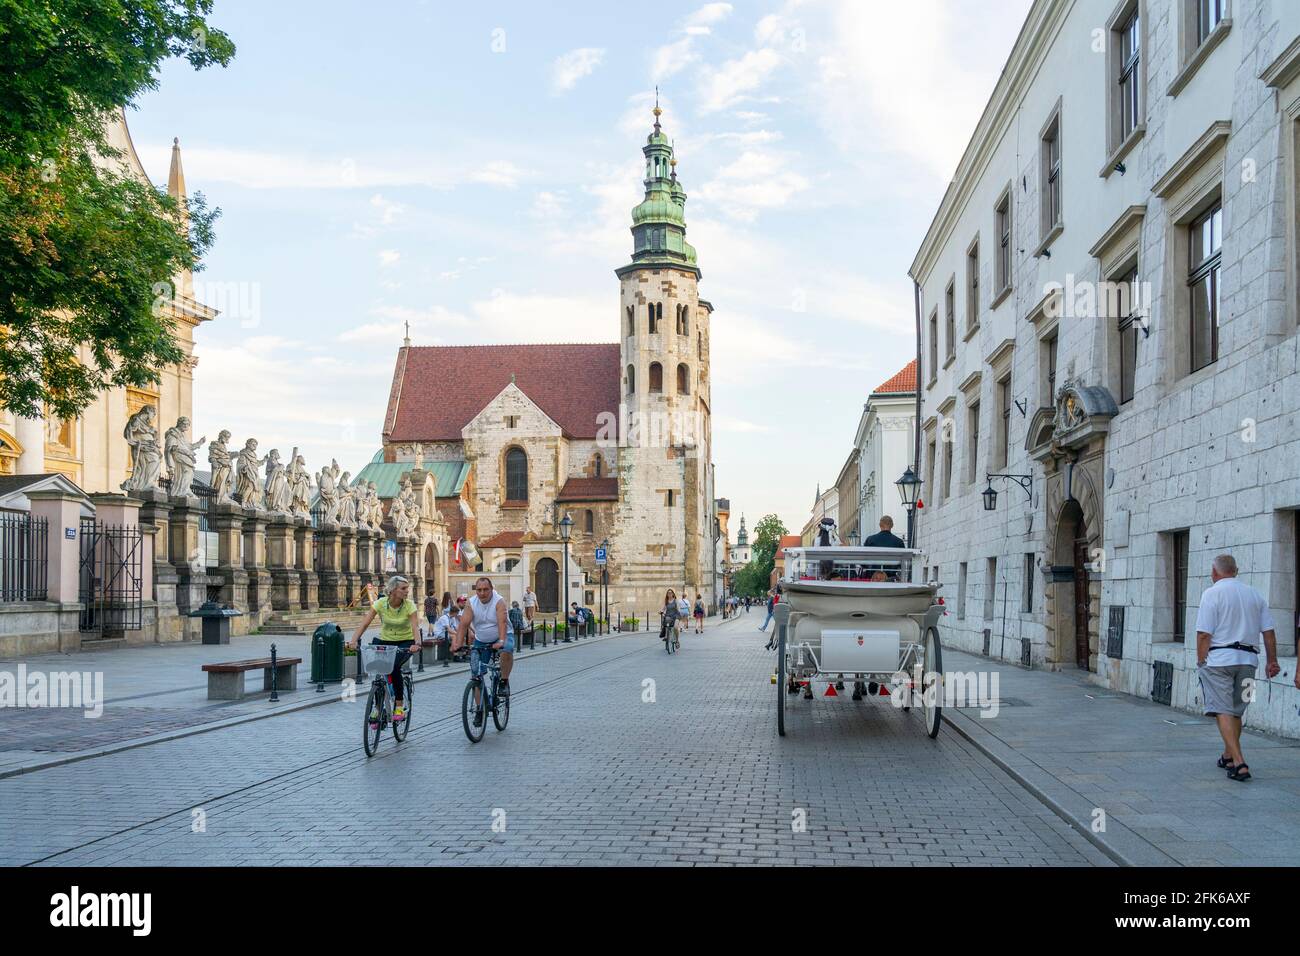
x: 589, y: 489
x: 504, y: 539
x: 437, y: 390
x: 904, y: 381
x: 787, y: 541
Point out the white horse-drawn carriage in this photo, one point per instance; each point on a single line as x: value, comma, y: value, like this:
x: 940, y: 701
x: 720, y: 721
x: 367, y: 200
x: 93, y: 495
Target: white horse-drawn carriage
x: 859, y: 614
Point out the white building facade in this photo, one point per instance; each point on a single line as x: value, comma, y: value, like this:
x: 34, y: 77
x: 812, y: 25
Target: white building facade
x: 1110, y: 307
x: 885, y: 445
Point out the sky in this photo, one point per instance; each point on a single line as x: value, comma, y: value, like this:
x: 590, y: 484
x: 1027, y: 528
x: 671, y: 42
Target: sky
x: 471, y: 169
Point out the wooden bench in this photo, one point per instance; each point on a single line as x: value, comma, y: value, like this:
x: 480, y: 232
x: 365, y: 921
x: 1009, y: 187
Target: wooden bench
x: 226, y: 680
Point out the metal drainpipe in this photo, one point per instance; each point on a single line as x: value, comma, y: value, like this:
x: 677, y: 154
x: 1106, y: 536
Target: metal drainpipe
x: 916, y: 426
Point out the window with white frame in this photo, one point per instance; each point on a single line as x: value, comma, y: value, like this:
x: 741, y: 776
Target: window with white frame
x: 1050, y: 147
x: 973, y: 285
x: 1128, y: 101
x: 1205, y: 255
x: 1002, y: 215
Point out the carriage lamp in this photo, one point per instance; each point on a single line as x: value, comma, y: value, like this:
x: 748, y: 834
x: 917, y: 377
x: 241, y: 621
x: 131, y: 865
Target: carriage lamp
x: 566, y: 528
x: 991, y: 497
x: 909, y: 488
x: 854, y: 538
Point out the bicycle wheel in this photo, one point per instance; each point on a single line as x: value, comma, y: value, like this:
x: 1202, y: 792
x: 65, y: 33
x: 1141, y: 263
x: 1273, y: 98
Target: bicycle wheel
x: 501, y: 712
x: 400, y: 727
x: 469, y: 710
x: 371, y: 730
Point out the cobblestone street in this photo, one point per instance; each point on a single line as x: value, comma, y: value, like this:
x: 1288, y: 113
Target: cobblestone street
x: 588, y: 772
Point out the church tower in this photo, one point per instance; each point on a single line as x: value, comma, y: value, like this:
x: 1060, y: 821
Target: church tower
x: 666, y: 520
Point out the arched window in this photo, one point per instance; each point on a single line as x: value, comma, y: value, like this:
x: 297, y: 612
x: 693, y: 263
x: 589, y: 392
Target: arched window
x: 656, y: 377
x: 659, y: 314
x: 699, y: 344
x: 516, y: 475
x: 597, y: 466
x: 683, y: 380
x: 631, y: 379
x: 651, y: 326
x: 589, y: 522
x: 631, y: 320
x: 686, y: 321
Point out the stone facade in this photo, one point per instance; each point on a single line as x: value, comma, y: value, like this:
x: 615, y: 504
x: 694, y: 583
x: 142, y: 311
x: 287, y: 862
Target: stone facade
x: 1081, y: 365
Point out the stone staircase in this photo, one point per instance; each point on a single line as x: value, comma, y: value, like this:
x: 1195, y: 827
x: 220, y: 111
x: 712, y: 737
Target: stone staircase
x: 305, y: 622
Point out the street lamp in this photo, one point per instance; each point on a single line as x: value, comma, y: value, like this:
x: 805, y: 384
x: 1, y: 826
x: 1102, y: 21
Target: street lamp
x: 566, y: 529
x: 990, y: 496
x: 854, y: 538
x: 909, y: 490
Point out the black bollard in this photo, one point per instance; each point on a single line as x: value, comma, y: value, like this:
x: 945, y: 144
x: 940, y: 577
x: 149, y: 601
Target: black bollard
x: 274, y: 696
x: 320, y: 656
x: 420, y: 669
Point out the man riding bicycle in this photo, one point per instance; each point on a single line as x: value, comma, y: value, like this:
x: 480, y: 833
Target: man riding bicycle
x: 400, y: 627
x: 486, y: 611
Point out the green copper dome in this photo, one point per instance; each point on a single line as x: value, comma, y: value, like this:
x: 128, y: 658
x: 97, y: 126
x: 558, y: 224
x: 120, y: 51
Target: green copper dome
x: 659, y: 220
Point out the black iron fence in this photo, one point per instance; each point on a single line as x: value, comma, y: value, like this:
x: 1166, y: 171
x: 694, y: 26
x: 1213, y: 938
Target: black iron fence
x: 24, y: 566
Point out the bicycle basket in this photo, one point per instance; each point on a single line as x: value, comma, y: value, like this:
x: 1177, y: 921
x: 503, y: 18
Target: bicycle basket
x: 377, y: 659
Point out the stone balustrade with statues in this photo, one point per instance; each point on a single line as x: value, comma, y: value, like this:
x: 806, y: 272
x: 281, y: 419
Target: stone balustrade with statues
x: 265, y: 536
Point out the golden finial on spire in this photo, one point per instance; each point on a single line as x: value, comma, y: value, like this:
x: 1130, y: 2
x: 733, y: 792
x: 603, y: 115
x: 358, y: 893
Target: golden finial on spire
x: 657, y: 111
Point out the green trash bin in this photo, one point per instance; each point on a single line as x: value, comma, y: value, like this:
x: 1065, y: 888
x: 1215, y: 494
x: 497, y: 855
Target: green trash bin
x: 327, y: 654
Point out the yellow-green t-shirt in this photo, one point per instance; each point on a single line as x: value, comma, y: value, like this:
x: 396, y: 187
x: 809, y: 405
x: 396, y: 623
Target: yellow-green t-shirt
x: 396, y: 620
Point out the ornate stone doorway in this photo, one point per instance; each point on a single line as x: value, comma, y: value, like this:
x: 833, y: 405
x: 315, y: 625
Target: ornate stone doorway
x: 546, y: 582
x: 1069, y: 441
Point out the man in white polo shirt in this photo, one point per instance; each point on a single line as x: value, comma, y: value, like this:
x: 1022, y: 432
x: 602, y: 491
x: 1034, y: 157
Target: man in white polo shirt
x: 1229, y: 622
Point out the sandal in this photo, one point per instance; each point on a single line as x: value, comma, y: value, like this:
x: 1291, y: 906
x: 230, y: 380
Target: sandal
x: 1240, y: 772
x: 1225, y: 762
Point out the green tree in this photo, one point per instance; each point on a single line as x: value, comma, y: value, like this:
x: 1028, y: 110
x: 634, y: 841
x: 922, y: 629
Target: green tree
x: 87, y: 252
x: 753, y: 579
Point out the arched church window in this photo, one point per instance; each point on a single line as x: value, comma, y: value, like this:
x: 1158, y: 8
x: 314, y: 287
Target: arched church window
x: 656, y: 377
x: 589, y: 522
x: 683, y: 380
x: 686, y: 321
x: 651, y: 326
x: 659, y: 313
x: 516, y: 475
x: 597, y: 466
x: 631, y: 379
x: 631, y: 320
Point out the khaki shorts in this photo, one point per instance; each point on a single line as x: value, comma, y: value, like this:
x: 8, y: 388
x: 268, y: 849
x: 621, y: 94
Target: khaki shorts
x: 1222, y: 688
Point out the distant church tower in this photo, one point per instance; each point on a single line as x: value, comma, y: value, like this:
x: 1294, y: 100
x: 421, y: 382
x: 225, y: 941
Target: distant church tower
x: 666, y: 521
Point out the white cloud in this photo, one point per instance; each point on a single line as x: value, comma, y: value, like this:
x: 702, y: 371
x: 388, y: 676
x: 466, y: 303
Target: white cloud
x: 388, y: 210
x: 736, y: 79
x: 757, y: 180
x: 674, y: 57
x: 257, y: 170
x: 242, y: 380
x: 427, y: 326
x: 726, y: 423
x: 921, y: 98
x: 549, y: 205
x: 389, y: 257
x: 568, y: 69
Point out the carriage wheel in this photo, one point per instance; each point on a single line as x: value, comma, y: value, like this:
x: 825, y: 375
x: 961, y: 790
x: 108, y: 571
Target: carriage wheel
x: 780, y: 682
x: 932, y: 696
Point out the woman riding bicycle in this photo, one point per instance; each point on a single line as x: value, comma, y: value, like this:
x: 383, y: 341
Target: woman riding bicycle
x: 400, y: 627
x: 670, y: 628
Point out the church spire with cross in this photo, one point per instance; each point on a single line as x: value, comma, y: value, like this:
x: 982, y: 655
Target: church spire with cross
x: 659, y: 220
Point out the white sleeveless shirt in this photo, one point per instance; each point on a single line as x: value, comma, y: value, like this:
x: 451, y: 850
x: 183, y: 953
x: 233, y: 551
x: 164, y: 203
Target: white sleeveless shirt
x: 485, y: 619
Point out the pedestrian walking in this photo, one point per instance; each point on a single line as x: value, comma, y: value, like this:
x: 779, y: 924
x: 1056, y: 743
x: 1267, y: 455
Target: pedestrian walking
x: 530, y: 604
x: 516, y: 616
x: 1229, y: 622
x: 771, y: 610
x: 698, y: 614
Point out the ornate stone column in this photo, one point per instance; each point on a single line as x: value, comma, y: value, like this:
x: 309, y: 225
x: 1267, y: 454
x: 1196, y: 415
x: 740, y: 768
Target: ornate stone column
x: 185, y: 553
x: 349, y: 580
x: 280, y: 547
x: 365, y: 558
x: 227, y: 519
x: 415, y: 570
x: 155, y: 518
x: 259, y: 577
x: 308, y: 587
x: 377, y: 562
x: 329, y: 578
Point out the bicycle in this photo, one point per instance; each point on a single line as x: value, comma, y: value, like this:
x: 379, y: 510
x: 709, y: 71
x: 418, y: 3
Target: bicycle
x: 377, y: 660
x: 491, y: 696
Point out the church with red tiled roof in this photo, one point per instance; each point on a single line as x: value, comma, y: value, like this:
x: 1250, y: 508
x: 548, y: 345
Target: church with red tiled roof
x: 616, y: 437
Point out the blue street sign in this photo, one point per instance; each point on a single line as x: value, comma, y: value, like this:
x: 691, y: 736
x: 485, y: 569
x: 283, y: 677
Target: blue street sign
x: 601, y: 556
